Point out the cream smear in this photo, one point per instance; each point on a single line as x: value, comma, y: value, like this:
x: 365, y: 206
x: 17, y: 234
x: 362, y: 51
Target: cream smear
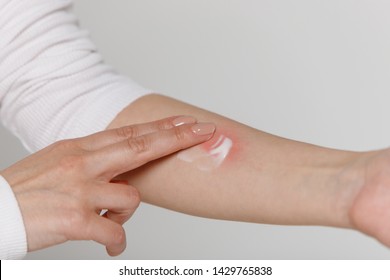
x: 207, y: 159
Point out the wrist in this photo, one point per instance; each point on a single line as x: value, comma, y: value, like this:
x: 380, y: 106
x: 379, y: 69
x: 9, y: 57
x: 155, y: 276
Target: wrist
x: 369, y: 205
x: 354, y: 177
x: 349, y: 180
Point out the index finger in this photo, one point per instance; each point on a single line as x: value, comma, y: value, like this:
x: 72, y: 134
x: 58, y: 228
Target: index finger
x: 132, y: 153
x: 108, y: 137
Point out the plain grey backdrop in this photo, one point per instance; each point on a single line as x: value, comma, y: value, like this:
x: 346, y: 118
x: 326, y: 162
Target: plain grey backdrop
x: 314, y: 71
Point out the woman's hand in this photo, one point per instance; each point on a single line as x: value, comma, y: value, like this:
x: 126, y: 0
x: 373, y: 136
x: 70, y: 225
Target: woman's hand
x: 62, y: 189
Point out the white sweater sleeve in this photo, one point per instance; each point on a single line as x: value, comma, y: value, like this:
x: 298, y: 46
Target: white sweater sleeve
x: 53, y: 86
x: 53, y: 83
x: 13, y: 242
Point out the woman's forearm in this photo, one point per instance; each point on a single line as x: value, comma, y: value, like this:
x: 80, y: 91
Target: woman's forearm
x: 263, y: 178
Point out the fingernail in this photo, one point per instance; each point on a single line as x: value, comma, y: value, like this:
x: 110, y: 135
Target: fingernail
x: 183, y: 120
x: 203, y: 128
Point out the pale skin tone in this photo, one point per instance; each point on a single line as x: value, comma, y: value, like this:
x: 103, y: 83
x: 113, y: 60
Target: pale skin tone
x: 265, y: 178
x: 62, y: 189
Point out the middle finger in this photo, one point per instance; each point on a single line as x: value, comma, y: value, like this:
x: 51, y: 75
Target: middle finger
x: 108, y: 137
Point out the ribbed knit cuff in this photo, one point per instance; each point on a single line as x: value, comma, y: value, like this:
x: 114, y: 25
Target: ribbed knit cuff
x: 13, y: 241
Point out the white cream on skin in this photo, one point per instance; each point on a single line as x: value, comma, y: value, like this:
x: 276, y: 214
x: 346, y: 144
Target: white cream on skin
x: 210, y: 158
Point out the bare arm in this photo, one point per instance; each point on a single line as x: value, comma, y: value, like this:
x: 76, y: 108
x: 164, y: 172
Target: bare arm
x: 263, y: 178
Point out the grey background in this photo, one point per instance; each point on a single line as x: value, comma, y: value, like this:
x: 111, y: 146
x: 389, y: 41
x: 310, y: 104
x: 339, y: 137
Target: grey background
x: 314, y: 71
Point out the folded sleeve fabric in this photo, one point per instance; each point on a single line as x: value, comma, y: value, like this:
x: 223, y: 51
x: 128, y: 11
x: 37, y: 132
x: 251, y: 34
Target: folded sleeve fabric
x: 13, y: 242
x: 53, y: 86
x: 53, y: 82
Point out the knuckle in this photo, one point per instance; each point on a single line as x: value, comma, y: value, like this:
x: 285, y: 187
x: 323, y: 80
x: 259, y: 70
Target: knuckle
x: 139, y: 145
x: 179, y: 134
x: 74, y: 192
x: 164, y: 124
x: 133, y: 197
x: 74, y: 220
x: 64, y: 144
x: 119, y: 235
x: 77, y: 218
x: 127, y: 131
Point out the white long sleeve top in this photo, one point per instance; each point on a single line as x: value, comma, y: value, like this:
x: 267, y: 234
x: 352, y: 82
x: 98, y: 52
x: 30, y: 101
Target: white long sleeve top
x: 53, y: 85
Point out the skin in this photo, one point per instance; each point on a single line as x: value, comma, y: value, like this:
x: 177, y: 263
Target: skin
x: 209, y: 155
x: 265, y: 178
x: 62, y: 189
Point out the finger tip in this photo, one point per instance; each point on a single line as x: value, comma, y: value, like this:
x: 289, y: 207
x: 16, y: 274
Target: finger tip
x: 114, y: 252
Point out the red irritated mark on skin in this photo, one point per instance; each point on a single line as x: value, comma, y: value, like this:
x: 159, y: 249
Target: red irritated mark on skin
x: 209, y: 155
x: 217, y: 140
